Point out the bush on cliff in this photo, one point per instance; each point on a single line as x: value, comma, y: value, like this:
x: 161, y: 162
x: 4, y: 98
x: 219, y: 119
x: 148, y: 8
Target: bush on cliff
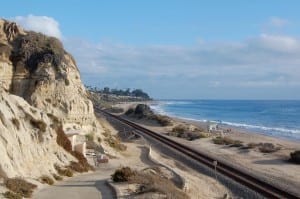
x: 46, y: 180
x: 20, y: 186
x: 12, y: 195
x: 32, y: 49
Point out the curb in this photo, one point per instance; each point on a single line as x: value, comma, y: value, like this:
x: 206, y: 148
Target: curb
x: 117, y: 192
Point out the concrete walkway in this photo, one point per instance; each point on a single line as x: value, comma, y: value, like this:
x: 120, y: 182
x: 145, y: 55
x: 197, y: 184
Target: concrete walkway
x: 90, y: 185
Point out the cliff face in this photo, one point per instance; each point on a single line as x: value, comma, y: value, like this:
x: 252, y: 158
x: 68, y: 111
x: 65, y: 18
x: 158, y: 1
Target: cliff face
x: 38, y: 78
x: 37, y: 68
x: 28, y: 145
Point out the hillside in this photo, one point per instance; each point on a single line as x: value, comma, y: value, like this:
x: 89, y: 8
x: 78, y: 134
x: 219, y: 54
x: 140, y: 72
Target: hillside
x: 41, y: 93
x: 107, y: 97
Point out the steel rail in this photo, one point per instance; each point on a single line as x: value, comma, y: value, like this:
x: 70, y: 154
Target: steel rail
x: 255, y: 184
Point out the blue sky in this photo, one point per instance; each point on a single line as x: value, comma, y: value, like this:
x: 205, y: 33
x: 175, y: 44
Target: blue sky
x: 177, y: 49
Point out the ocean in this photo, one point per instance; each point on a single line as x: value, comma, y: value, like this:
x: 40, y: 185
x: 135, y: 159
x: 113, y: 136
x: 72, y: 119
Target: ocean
x: 278, y: 118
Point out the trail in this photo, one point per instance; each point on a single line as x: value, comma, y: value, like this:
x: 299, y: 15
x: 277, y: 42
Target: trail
x: 90, y: 185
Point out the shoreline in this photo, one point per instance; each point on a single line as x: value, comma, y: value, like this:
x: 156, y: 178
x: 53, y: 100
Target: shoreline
x: 224, y: 125
x: 203, y: 124
x: 243, y: 134
x: 273, y: 167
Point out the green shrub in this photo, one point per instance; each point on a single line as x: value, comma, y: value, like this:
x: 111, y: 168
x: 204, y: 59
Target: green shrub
x: 89, y: 137
x: 12, y: 195
x: 20, y: 186
x: 295, y: 157
x: 46, y: 180
x: 122, y: 175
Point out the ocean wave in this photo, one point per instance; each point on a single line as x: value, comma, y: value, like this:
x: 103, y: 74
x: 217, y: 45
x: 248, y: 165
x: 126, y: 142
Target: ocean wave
x: 176, y: 102
x: 264, y: 128
x: 247, y: 126
x: 159, y: 108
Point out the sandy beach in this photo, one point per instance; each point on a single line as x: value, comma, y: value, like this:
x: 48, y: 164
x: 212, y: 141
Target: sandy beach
x: 137, y: 157
x: 273, y: 167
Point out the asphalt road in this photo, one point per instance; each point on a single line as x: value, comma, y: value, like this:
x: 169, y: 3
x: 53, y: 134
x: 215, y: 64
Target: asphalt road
x: 85, y: 186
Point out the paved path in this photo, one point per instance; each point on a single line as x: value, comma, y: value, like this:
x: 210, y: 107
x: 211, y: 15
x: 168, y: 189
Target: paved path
x: 85, y: 186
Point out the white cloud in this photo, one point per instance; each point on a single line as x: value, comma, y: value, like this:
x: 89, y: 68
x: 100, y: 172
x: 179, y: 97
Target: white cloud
x: 278, y: 22
x: 277, y: 42
x: 43, y: 24
x: 259, y: 62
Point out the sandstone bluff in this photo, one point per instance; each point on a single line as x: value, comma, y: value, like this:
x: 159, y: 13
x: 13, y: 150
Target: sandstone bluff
x: 40, y: 90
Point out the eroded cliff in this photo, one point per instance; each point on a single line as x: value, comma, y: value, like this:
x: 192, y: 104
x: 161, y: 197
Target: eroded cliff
x: 40, y: 89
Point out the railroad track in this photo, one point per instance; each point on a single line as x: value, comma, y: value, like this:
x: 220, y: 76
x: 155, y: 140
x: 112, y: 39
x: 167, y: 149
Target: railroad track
x: 265, y: 189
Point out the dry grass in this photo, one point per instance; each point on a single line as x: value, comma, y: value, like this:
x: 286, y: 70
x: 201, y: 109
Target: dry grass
x: 63, y: 172
x: 179, y: 129
x: 268, y: 148
x: 20, y: 186
x: 150, y: 182
x: 46, y: 180
x: 57, y: 177
x: 162, y: 120
x: 75, y: 166
x: 12, y: 195
x: 114, y: 141
x: 182, y: 131
x: 227, y: 141
x: 106, y: 133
